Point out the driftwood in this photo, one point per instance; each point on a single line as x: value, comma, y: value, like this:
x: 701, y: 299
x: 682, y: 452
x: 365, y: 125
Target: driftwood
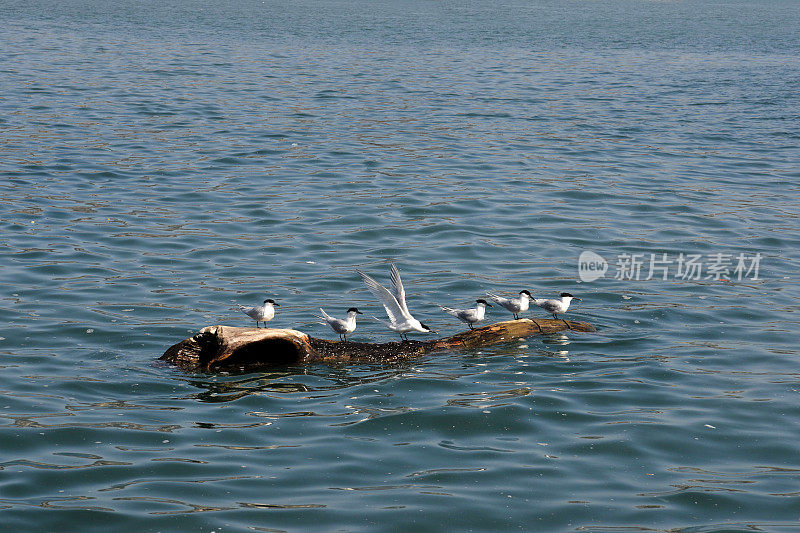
x: 230, y: 348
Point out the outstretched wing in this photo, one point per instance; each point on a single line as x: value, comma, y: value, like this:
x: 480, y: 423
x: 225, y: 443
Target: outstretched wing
x: 399, y: 291
x: 389, y: 302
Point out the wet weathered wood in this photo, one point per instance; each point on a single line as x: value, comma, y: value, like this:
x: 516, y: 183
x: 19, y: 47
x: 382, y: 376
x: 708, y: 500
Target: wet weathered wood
x: 231, y: 348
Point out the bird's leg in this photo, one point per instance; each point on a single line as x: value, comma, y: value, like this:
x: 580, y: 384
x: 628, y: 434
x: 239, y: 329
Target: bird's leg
x: 470, y: 326
x: 564, y: 321
x: 516, y: 316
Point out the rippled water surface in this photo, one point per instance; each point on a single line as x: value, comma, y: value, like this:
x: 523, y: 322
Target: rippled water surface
x: 165, y: 161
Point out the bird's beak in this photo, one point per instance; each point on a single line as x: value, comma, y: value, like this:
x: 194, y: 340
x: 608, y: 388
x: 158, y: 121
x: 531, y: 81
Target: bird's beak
x: 578, y: 299
x: 489, y: 305
x: 276, y: 305
x: 359, y: 312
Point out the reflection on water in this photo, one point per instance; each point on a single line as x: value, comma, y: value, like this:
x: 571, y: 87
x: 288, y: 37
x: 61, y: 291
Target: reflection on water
x: 322, y: 379
x: 484, y: 400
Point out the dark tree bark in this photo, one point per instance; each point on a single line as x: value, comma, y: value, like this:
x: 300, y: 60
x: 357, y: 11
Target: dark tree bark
x: 229, y: 348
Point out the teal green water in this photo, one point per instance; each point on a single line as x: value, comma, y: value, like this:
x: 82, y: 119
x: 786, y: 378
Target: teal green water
x: 165, y: 161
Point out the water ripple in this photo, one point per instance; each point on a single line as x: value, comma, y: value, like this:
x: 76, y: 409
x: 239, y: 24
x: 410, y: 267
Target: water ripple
x: 164, y: 163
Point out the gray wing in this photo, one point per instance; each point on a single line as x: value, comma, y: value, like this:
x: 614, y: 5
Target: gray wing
x: 547, y: 305
x: 252, y: 312
x: 451, y: 311
x: 399, y: 290
x: 498, y: 299
x: 467, y: 315
x: 389, y: 302
x: 331, y: 321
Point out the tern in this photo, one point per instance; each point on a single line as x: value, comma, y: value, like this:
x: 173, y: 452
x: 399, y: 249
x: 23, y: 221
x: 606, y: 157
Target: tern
x: 262, y: 313
x: 341, y: 326
x: 400, y: 319
x: 469, y: 316
x: 556, y: 306
x: 514, y: 305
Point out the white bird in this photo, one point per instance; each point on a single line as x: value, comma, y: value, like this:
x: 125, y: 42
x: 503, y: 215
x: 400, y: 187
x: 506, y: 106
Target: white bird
x: 469, y: 316
x: 400, y: 319
x: 341, y: 326
x: 262, y: 313
x: 556, y: 306
x: 513, y: 305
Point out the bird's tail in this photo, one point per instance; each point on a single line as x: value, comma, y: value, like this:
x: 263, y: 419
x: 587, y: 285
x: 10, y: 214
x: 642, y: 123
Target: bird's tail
x: 324, y: 314
x: 387, y: 324
x: 495, y: 298
x: 449, y: 310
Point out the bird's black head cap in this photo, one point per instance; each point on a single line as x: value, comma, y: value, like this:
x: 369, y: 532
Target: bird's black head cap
x: 354, y: 310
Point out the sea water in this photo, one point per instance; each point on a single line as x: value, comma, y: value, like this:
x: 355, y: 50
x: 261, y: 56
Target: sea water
x: 163, y: 162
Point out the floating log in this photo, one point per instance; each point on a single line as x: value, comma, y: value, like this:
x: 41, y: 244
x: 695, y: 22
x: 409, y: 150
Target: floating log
x: 216, y: 348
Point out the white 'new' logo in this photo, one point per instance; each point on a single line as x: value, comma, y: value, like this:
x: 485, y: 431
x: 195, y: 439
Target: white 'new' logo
x: 591, y: 266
